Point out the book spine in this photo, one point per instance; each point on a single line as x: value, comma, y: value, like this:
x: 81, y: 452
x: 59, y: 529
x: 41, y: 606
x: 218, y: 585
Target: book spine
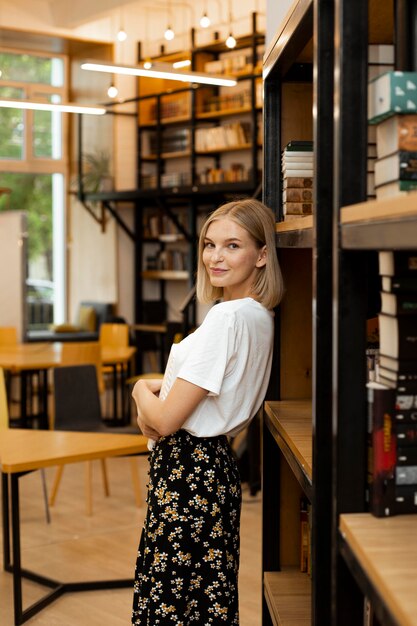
x: 383, y: 452
x: 298, y: 181
x: 297, y: 208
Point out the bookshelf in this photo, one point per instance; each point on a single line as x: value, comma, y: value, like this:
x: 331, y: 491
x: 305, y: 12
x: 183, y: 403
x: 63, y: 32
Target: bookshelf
x: 298, y: 412
x: 354, y: 555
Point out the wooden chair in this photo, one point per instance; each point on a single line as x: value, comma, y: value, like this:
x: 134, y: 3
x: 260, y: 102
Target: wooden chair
x: 8, y: 336
x: 77, y: 408
x: 4, y: 424
x: 112, y: 336
x: 84, y: 353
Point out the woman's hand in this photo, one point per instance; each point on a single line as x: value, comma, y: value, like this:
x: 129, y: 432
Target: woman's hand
x: 153, y: 385
x: 147, y: 431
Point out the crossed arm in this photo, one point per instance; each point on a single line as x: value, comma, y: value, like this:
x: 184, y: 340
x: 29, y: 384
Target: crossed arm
x: 159, y: 418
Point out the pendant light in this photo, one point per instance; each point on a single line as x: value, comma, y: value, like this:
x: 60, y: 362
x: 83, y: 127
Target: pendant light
x: 205, y: 20
x: 230, y: 41
x: 169, y: 33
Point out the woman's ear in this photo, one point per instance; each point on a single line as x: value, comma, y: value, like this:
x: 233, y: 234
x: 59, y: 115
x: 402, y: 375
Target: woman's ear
x: 261, y: 262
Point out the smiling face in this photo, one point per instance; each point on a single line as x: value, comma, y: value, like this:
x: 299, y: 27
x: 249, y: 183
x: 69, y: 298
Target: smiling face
x: 231, y: 258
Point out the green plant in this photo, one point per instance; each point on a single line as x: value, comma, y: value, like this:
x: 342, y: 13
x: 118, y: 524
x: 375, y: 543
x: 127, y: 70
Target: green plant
x: 96, y: 168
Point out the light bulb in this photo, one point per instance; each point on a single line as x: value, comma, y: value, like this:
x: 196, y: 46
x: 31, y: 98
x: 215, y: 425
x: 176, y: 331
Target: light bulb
x: 147, y: 64
x: 230, y: 41
x: 112, y: 91
x: 205, y: 21
x: 121, y: 35
x: 169, y: 34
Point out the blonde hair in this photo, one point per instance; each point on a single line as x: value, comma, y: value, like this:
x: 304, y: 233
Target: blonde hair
x: 259, y: 221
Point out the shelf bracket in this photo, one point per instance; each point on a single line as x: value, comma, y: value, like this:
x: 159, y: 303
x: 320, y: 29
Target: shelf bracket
x: 98, y: 216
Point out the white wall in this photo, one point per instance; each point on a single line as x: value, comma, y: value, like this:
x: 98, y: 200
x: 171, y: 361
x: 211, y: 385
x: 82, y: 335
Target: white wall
x: 13, y: 230
x: 109, y: 274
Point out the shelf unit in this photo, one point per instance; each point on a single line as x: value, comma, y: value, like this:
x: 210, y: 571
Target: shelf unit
x: 329, y: 265
x: 166, y: 107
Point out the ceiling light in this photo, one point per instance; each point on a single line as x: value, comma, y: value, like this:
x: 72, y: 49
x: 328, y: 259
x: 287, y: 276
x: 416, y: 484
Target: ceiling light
x: 159, y: 70
x: 61, y: 107
x: 169, y: 34
x: 230, y: 41
x: 205, y: 21
x: 179, y: 64
x: 112, y: 91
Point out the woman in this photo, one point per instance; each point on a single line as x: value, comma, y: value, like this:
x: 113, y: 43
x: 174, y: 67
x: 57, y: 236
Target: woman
x: 214, y: 383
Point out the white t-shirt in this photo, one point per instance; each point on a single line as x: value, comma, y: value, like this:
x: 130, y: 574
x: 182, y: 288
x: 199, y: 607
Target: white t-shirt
x: 230, y: 355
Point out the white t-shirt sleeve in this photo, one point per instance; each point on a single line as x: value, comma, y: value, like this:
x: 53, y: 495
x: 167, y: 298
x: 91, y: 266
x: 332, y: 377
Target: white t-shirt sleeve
x: 213, y: 352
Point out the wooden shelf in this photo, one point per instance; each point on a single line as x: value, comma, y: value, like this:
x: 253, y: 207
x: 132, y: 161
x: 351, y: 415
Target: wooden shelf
x: 166, y: 121
x: 386, y: 551
x: 378, y: 224
x: 243, y: 146
x: 165, y: 275
x: 297, y: 233
x: 168, y: 155
x: 288, y: 595
x: 290, y: 422
x: 223, y: 113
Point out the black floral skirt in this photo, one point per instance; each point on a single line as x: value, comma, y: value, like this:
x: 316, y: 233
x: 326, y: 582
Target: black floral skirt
x: 188, y: 557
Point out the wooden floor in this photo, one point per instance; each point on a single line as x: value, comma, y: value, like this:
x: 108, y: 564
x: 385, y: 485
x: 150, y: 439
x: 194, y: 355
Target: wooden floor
x: 76, y: 547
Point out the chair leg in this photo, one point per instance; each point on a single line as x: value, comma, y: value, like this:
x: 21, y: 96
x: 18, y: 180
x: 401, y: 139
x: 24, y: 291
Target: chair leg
x: 57, y: 480
x: 45, y: 496
x: 135, y: 480
x: 89, y: 488
x: 105, y: 477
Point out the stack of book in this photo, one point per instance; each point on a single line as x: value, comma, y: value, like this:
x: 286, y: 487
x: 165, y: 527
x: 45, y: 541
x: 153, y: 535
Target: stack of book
x: 393, y: 397
x: 392, y: 106
x: 380, y: 61
x: 297, y: 179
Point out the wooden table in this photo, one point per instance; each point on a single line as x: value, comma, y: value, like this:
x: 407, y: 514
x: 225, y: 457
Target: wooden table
x: 27, y: 358
x: 22, y: 451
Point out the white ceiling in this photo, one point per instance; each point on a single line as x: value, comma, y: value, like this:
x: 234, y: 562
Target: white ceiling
x: 68, y: 14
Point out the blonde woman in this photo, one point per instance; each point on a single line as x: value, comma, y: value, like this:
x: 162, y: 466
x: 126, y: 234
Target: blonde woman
x: 214, y: 383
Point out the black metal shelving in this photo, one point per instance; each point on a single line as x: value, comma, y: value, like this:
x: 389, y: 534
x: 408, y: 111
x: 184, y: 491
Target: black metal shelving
x: 346, y: 233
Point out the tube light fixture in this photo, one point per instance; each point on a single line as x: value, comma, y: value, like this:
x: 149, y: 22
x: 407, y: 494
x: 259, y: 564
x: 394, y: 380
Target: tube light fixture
x: 61, y: 107
x: 159, y: 70
x: 178, y: 64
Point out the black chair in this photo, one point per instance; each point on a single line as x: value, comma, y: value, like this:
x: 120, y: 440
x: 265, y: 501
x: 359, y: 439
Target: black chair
x: 77, y: 408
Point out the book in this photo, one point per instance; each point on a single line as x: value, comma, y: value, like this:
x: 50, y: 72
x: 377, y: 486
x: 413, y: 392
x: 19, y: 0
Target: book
x: 395, y: 188
x: 391, y: 93
x: 298, y: 172
x: 383, y: 449
x: 381, y: 53
x: 398, y: 377
x: 297, y: 194
x: 398, y: 335
x: 407, y: 434
x: 304, y: 145
x: 401, y: 366
x: 398, y: 132
x: 402, y: 165
x: 397, y: 263
x: 406, y: 455
x: 398, y: 284
x: 298, y: 181
x: 298, y: 208
x: 408, y: 386
x: 399, y: 303
x: 290, y: 165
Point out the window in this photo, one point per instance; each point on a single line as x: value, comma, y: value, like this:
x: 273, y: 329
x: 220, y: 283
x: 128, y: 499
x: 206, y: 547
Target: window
x: 33, y: 166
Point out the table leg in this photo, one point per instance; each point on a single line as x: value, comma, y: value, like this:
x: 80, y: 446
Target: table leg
x: 17, y: 566
x: 6, y: 521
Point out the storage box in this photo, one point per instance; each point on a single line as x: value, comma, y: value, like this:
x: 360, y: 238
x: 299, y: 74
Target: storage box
x: 390, y: 93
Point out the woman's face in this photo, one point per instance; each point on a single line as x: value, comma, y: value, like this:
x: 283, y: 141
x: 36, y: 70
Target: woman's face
x: 231, y: 258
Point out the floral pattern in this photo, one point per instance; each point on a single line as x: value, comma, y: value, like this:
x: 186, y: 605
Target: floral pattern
x: 188, y: 557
